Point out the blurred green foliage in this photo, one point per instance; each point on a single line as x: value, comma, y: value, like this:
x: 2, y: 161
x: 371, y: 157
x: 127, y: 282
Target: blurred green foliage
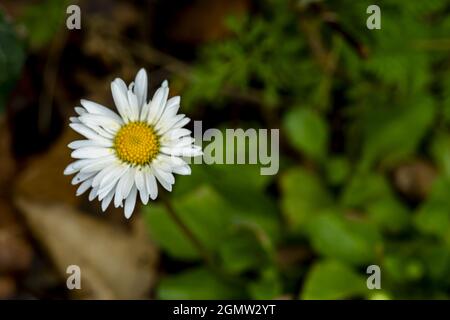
x: 12, y: 56
x: 39, y: 34
x: 349, y: 130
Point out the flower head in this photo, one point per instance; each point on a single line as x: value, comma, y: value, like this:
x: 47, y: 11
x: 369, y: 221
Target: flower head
x: 126, y: 154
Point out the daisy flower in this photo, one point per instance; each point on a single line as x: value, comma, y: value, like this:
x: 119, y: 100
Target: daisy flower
x: 126, y: 154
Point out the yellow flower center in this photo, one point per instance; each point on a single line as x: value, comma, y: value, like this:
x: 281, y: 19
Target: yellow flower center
x: 136, y: 143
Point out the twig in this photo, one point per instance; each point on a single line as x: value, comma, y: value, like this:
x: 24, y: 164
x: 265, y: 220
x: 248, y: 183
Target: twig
x: 50, y: 75
x: 331, y: 20
x: 176, y: 66
x: 322, y: 55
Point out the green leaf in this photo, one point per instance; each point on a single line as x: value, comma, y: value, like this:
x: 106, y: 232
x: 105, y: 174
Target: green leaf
x: 330, y: 279
x: 440, y: 150
x: 402, y: 269
x: 239, y: 183
x: 433, y: 216
x: 385, y: 131
x: 167, y: 234
x: 267, y: 287
x: 389, y: 214
x: 337, y: 169
x: 242, y: 251
x: 308, y: 132
x: 303, y: 197
x: 197, y: 284
x: 203, y: 211
x: 210, y: 217
x: 40, y: 31
x: 437, y: 262
x: 236, y: 184
x: 11, y: 59
x: 365, y: 188
x: 334, y: 236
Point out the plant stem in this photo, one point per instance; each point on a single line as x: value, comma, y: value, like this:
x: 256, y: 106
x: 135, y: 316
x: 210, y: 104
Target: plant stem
x: 188, y: 233
x: 204, y: 253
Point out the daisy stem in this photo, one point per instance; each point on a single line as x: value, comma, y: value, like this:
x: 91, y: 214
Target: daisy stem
x: 188, y: 233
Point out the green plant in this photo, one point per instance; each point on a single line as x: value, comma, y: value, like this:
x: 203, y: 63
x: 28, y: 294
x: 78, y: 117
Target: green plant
x: 354, y: 106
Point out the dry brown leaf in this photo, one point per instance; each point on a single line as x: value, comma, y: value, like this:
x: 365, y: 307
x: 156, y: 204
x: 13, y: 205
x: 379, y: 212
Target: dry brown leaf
x: 204, y: 21
x: 7, y: 165
x: 43, y: 177
x: 15, y: 250
x: 114, y: 263
x: 7, y: 287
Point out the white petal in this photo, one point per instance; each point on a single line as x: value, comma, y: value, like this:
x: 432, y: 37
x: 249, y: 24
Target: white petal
x: 180, y: 120
x: 89, y: 143
x: 134, y: 107
x: 152, y: 187
x: 145, y: 111
x: 81, y: 176
x: 119, y: 92
x: 76, y: 166
x: 105, y: 189
x: 107, y: 200
x: 91, y: 152
x: 161, y: 164
x: 124, y: 186
x: 102, y: 174
x: 70, y: 169
x: 112, y: 176
x: 140, y: 185
x: 173, y: 104
x: 172, y: 161
x: 140, y: 87
x: 190, y: 151
x: 128, y: 182
x: 166, y: 175
x: 80, y: 110
x: 107, y: 134
x: 165, y: 179
x: 130, y: 202
x: 110, y: 181
x: 88, y: 133
x: 93, y: 194
x: 158, y: 104
x: 117, y: 198
x: 95, y: 108
x: 182, y: 170
x: 180, y: 143
x: 175, y: 134
x: 181, y: 123
x: 84, y: 187
x: 109, y: 124
x: 99, y: 164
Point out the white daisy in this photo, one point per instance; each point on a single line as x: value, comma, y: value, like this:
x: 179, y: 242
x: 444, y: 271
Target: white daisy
x: 125, y: 154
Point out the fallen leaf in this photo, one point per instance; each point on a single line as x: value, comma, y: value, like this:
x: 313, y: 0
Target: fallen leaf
x: 7, y: 165
x: 115, y: 263
x: 15, y: 251
x: 43, y: 177
x: 7, y: 287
